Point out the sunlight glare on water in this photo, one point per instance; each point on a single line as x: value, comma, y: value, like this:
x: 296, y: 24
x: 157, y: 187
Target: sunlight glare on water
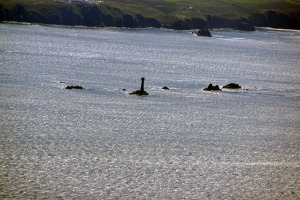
x: 182, y: 143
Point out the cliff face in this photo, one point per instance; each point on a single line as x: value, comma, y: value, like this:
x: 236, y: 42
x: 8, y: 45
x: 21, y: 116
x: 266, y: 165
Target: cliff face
x: 187, y: 24
x: 79, y: 14
x: 238, y: 24
x: 273, y: 19
x: 213, y: 22
x: 276, y: 19
x: 93, y: 15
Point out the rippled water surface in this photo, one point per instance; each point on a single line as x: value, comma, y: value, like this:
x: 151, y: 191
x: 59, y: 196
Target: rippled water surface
x: 182, y: 143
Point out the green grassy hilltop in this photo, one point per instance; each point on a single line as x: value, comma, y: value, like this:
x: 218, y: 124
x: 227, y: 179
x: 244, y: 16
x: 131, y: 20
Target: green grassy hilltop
x: 224, y: 8
x: 139, y: 13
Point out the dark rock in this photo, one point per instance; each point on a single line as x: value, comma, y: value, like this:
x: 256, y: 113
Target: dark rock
x: 204, y: 32
x: 212, y: 88
x: 139, y: 92
x: 165, y: 88
x: 74, y: 87
x: 232, y: 86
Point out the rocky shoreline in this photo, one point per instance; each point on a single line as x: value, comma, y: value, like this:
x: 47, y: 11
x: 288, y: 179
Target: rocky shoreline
x: 84, y: 15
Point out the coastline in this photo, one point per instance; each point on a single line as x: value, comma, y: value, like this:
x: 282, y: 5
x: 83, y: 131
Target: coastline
x: 141, y: 28
x: 94, y: 15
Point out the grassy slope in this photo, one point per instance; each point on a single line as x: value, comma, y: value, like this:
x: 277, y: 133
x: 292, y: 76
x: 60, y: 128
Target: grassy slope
x: 169, y: 10
x: 208, y: 7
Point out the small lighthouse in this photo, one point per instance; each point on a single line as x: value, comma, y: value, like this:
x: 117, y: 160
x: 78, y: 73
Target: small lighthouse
x: 142, y: 84
x: 142, y: 91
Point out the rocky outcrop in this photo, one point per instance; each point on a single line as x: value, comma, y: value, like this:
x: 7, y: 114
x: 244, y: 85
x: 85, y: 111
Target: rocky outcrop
x: 140, y: 93
x: 232, y: 86
x: 77, y: 87
x: 275, y: 19
x: 212, y: 88
x: 204, y: 32
x: 165, y: 88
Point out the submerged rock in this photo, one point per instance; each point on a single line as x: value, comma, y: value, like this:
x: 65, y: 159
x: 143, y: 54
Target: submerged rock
x: 232, y: 86
x: 74, y: 87
x: 212, y: 88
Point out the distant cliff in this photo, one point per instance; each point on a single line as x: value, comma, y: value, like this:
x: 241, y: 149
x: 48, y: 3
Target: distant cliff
x: 275, y: 19
x: 107, y: 16
x: 78, y: 14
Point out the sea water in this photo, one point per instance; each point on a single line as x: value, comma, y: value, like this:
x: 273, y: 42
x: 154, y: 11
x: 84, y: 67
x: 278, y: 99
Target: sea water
x: 183, y: 143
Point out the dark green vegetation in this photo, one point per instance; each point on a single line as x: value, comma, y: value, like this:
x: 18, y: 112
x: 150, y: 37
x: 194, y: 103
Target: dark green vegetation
x: 175, y: 14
